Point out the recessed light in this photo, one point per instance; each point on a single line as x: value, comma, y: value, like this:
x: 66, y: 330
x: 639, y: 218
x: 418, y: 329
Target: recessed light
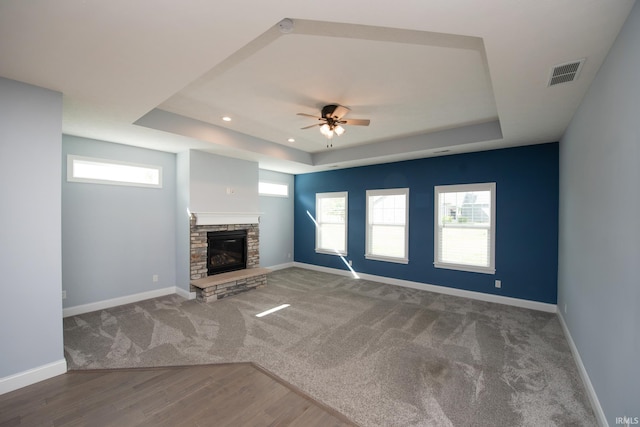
x: 291, y: 140
x: 226, y: 118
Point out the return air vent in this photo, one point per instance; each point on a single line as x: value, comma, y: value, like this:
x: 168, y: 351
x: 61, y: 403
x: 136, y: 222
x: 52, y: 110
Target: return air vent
x: 564, y: 73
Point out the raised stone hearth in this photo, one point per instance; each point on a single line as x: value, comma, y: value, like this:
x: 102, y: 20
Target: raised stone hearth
x: 217, y: 286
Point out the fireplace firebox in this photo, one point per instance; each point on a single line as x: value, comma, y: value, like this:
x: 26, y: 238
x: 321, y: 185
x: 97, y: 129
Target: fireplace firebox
x: 226, y: 251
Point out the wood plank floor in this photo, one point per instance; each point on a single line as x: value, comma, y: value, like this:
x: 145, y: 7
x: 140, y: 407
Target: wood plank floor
x: 237, y: 394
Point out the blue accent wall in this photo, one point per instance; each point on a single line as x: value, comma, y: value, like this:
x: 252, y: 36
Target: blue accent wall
x: 526, y: 218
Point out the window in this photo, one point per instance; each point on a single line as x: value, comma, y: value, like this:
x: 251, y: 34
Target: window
x: 273, y: 189
x: 100, y: 171
x: 388, y: 225
x: 331, y: 223
x: 465, y: 227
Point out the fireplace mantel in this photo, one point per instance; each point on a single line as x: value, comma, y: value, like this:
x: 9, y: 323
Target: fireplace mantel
x: 225, y: 218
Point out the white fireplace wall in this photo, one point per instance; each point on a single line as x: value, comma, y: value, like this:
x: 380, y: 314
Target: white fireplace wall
x: 222, y: 185
x: 213, y: 188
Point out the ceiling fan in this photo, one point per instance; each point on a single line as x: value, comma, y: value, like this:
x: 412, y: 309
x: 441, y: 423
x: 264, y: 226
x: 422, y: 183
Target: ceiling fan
x: 332, y: 119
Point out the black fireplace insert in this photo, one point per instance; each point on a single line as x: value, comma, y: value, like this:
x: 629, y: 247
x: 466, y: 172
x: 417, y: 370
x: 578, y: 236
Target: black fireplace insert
x: 226, y: 251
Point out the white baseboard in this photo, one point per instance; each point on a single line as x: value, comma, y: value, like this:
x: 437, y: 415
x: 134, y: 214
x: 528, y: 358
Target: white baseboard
x: 185, y: 294
x: 32, y: 376
x: 281, y: 266
x: 114, y: 302
x: 533, y: 305
x: 591, y: 392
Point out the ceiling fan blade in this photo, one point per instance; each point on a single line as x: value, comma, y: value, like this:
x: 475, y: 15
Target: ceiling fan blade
x: 356, y: 122
x: 339, y: 112
x: 310, y: 126
x: 308, y: 115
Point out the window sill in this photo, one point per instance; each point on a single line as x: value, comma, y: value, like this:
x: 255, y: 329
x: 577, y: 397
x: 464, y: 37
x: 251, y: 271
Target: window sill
x: 387, y: 259
x: 330, y: 252
x: 469, y: 268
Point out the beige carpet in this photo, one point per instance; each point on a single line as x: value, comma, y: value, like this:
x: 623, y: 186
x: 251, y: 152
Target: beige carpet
x: 380, y: 354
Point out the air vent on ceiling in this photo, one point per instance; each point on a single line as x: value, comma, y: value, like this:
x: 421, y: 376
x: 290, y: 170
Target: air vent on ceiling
x: 564, y: 73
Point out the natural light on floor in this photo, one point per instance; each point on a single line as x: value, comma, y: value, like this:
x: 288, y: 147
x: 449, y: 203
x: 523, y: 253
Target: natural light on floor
x: 272, y: 310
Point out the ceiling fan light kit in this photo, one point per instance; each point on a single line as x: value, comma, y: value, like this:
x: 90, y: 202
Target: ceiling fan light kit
x: 332, y: 119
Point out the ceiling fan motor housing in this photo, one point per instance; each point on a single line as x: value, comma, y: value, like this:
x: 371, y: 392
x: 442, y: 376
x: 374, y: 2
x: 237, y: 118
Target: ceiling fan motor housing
x: 327, y: 110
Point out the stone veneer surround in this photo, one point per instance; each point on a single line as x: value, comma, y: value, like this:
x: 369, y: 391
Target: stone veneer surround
x: 199, y: 245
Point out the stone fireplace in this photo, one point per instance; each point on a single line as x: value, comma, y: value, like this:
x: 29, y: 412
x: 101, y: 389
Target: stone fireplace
x: 225, y: 259
x: 199, y: 245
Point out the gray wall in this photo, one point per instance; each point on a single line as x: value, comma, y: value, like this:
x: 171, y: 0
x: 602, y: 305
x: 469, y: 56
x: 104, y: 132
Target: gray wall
x: 599, y: 245
x: 276, y: 223
x: 115, y: 238
x: 183, y: 237
x: 30, y: 307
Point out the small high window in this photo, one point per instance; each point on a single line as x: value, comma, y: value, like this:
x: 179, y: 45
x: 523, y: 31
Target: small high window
x: 273, y: 189
x: 101, y: 171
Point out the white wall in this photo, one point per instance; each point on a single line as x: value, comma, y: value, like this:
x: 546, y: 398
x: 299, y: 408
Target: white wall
x: 211, y: 176
x: 210, y: 183
x: 30, y: 235
x: 599, y: 247
x: 276, y: 222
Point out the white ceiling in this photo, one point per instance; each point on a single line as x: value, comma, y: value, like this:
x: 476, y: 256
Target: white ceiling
x: 434, y: 77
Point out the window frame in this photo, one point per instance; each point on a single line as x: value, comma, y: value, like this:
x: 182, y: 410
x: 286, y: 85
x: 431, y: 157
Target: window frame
x: 332, y: 195
x: 369, y: 226
x: 458, y: 188
x: 283, y: 184
x: 72, y: 158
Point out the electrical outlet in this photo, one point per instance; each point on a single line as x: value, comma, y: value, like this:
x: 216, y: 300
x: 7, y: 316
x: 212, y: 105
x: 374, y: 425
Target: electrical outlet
x: 155, y: 278
x: 350, y: 262
x: 64, y: 294
x: 565, y: 308
x: 498, y: 283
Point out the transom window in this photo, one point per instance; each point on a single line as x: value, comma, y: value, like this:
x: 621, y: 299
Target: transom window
x: 465, y: 227
x: 331, y: 223
x: 102, y: 171
x: 274, y: 189
x: 387, y: 236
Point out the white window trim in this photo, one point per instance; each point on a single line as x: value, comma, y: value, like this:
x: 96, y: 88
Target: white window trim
x: 284, y: 184
x: 386, y: 192
x: 346, y: 223
x: 489, y: 186
x: 71, y: 158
